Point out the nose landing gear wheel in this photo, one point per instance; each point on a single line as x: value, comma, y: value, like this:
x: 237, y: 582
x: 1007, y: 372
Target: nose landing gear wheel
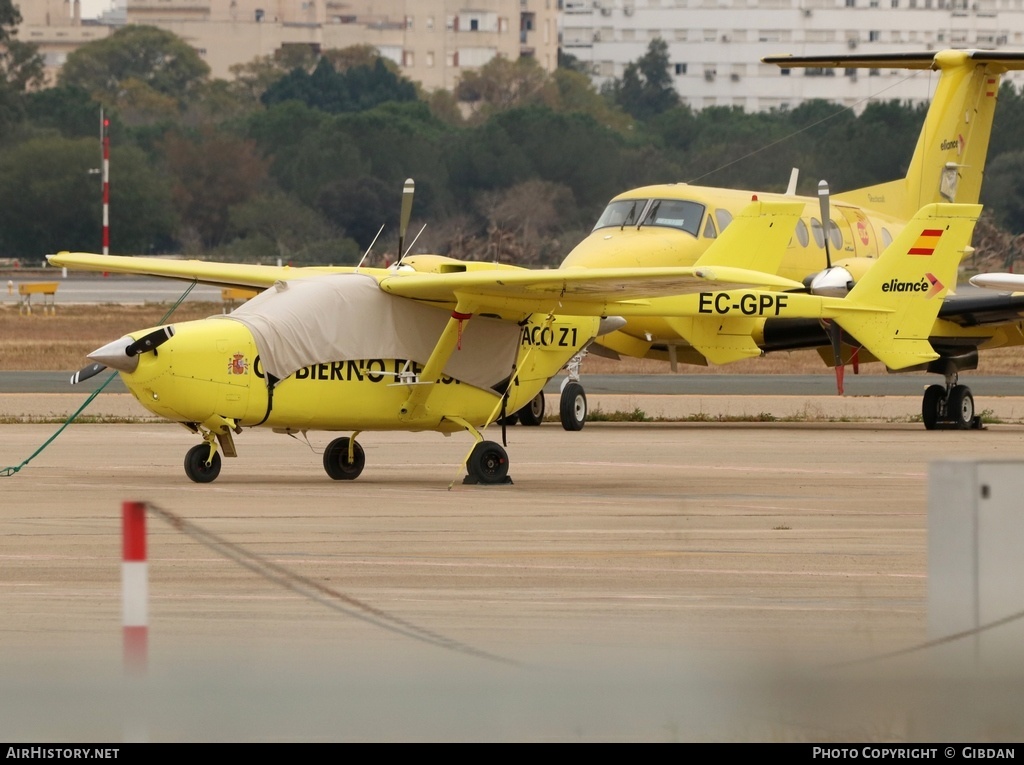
x: 572, y: 410
x: 488, y: 463
x: 336, y: 461
x: 196, y: 466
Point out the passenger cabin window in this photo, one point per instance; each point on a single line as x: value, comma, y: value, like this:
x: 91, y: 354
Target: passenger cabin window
x: 802, y: 235
x: 835, y: 235
x: 818, y: 232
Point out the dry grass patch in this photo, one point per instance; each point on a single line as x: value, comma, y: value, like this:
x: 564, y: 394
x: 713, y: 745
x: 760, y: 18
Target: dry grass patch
x: 52, y: 343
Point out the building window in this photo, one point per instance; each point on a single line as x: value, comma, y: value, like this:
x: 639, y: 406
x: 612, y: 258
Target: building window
x: 259, y: 14
x: 874, y: 35
x: 680, y: 69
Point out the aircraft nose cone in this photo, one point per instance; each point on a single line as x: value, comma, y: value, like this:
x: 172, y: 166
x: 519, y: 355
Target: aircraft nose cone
x: 115, y: 355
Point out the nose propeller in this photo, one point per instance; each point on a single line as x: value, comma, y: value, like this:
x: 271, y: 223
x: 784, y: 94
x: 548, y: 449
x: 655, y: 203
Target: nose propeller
x: 122, y: 354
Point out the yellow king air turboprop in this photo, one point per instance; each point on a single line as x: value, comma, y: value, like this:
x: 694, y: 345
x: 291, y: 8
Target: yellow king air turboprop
x: 442, y: 345
x: 674, y: 224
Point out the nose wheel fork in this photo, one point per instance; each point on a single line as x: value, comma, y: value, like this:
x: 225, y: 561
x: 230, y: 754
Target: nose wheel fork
x: 202, y: 461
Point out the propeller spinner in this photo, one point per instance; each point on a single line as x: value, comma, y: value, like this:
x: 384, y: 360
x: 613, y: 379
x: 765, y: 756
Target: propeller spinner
x: 122, y: 354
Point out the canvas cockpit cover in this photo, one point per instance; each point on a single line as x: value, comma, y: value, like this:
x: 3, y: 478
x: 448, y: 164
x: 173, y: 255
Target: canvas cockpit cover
x: 342, y: 317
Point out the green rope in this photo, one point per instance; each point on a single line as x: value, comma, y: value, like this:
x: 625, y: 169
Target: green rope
x: 9, y: 471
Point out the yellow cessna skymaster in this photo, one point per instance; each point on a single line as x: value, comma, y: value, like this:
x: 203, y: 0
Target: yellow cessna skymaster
x: 438, y: 344
x: 834, y: 245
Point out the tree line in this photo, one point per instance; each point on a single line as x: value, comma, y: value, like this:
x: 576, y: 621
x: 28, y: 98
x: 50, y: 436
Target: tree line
x: 302, y: 156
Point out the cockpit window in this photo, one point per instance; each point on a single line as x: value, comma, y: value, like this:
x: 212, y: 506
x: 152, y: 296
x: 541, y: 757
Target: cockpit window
x: 672, y: 213
x: 709, y: 229
x: 625, y: 212
x: 723, y: 218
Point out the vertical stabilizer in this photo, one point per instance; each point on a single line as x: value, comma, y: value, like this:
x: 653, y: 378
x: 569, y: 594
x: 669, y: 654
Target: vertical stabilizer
x: 948, y: 164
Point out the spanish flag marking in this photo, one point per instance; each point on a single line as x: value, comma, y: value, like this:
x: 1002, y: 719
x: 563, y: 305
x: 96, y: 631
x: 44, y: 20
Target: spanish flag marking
x: 925, y: 244
x: 990, y: 82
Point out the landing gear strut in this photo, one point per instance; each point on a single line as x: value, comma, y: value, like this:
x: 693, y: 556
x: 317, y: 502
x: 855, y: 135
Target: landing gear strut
x: 572, y: 409
x: 949, y: 407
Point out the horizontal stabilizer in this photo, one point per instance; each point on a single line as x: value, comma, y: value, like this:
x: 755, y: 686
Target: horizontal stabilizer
x: 721, y: 340
x: 892, y: 309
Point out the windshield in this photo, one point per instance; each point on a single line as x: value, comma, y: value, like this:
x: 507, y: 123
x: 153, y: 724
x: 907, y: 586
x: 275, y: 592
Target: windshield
x: 671, y: 213
x: 622, y: 213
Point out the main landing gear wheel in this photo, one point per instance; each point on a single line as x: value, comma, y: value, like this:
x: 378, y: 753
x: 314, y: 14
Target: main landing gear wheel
x: 572, y: 409
x: 336, y: 461
x: 932, y: 406
x: 488, y: 463
x: 960, y: 407
x: 533, y: 413
x: 200, y: 466
x: 952, y: 410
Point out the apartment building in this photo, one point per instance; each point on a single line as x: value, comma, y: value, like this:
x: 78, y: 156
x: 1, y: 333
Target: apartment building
x: 57, y: 27
x: 433, y: 41
x: 715, y: 46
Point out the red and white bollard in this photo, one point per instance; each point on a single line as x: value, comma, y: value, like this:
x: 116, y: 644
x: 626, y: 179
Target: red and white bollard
x: 134, y: 586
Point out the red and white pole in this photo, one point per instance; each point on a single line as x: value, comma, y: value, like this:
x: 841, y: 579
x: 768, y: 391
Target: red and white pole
x: 105, y: 134
x: 135, y: 586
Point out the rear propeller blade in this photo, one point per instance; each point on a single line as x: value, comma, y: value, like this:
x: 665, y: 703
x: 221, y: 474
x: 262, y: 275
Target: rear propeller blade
x: 85, y: 373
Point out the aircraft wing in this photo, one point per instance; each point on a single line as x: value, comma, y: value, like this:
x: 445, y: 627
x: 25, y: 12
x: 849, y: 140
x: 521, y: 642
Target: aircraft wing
x: 971, y: 307
x: 583, y: 291
x: 201, y: 271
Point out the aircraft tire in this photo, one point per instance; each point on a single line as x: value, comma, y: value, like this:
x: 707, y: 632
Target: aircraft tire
x: 488, y: 463
x: 961, y: 407
x: 533, y: 413
x: 195, y: 464
x: 931, y: 404
x: 572, y: 410
x: 336, y: 462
